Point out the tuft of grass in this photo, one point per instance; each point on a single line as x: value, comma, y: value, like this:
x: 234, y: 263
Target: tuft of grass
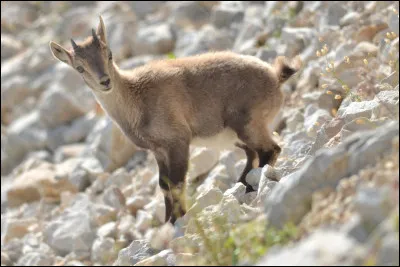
x: 171, y: 55
x: 228, y: 245
x: 368, y: 77
x: 277, y: 33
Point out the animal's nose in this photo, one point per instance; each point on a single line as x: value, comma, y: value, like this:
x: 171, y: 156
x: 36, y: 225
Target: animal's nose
x: 105, y: 81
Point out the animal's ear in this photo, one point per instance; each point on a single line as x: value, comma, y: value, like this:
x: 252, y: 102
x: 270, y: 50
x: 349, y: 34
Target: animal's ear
x: 101, y: 31
x: 61, y: 53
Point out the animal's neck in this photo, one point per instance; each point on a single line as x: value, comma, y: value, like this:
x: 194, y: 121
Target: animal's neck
x: 111, y: 101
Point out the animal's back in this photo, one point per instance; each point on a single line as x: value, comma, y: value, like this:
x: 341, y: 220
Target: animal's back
x: 225, y: 89
x: 215, y: 92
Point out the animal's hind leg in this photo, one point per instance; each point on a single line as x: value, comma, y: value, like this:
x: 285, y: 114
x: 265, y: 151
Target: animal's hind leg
x: 251, y: 156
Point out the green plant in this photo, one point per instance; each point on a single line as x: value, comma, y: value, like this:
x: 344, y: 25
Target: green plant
x: 228, y: 245
x: 368, y: 76
x: 171, y: 55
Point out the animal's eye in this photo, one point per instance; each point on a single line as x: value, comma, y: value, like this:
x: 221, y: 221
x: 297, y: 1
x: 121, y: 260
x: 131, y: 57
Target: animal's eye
x: 109, y: 55
x: 80, y: 69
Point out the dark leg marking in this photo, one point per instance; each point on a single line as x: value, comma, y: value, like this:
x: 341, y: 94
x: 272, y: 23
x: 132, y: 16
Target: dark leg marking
x: 164, y: 185
x: 251, y: 156
x: 178, y: 156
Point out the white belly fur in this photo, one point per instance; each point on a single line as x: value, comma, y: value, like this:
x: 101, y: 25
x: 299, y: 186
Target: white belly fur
x: 224, y: 140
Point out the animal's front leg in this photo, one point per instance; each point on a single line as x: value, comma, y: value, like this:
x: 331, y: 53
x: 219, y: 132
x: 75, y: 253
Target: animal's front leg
x: 164, y: 184
x: 178, y: 157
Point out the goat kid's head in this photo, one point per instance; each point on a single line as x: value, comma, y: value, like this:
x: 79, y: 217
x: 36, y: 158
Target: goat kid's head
x: 92, y: 59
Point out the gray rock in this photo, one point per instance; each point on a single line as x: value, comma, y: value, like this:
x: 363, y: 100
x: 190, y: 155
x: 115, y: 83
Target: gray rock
x: 202, y: 160
x: 30, y: 62
x: 185, y: 244
x: 253, y: 177
x: 75, y: 25
x: 122, y: 25
x: 358, y: 109
x: 10, y: 46
x: 144, y: 8
x: 35, y: 259
x: 309, y: 78
x: 217, y: 178
x: 320, y: 248
x: 80, y: 128
x: 119, y: 178
x: 107, y: 230
x: 355, y: 229
x: 372, y: 204
x: 350, y: 18
x: 78, y: 170
x: 103, y: 250
x: 109, y: 145
x: 239, y: 167
x: 237, y: 191
x: 65, y: 152
x: 114, y: 197
x: 24, y: 135
x: 267, y: 55
x: 246, y: 34
x: 227, y: 13
x: 323, y: 100
x: 229, y: 160
x: 360, y: 124
x: 32, y: 243
x: 388, y: 254
x: 13, y: 249
x: 162, y: 236
x: 289, y: 199
x: 295, y: 121
x: 267, y: 181
x: 155, y: 39
x: 228, y: 209
x: 211, y: 197
x: 125, y: 225
x: 156, y: 208
x: 143, y: 220
x: 70, y: 84
x: 297, y: 39
x: 315, y: 120
x: 73, y: 230
x: 36, y: 183
x: 332, y: 15
x: 5, y: 260
x: 74, y: 263
x: 389, y: 101
x: 137, y: 61
x: 190, y: 13
x: 57, y: 107
x: 393, y: 21
x: 208, y: 38
x: 40, y: 155
x: 160, y: 259
x: 137, y: 251
x: 13, y: 93
x: 136, y: 202
x: 17, y: 228
x: 55, y: 137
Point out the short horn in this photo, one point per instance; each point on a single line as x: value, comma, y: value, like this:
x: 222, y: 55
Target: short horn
x: 74, y: 45
x: 94, y: 36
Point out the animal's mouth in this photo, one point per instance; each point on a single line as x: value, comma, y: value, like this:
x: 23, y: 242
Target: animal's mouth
x: 106, y: 89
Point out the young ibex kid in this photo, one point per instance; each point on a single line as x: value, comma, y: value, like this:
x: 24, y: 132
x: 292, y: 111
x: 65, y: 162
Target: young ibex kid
x: 167, y: 105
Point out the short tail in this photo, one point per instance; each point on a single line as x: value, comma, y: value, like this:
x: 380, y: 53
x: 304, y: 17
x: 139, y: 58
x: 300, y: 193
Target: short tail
x: 285, y: 68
